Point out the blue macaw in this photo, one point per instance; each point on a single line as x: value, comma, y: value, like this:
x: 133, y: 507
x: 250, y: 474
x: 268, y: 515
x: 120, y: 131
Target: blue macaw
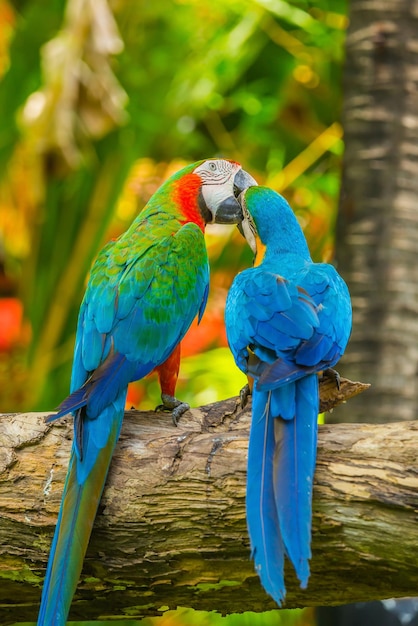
x: 287, y: 319
x: 144, y: 291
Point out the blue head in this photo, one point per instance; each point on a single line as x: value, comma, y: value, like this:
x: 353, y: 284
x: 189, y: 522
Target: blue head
x: 269, y: 224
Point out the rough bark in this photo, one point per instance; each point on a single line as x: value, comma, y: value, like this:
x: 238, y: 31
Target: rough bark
x: 171, y: 530
x: 377, y: 234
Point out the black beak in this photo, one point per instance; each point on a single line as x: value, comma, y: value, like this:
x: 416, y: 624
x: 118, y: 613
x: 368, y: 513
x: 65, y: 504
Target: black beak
x: 229, y: 211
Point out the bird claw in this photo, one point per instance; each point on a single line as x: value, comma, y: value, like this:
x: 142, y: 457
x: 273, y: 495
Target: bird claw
x: 333, y: 375
x: 244, y: 394
x: 177, y: 408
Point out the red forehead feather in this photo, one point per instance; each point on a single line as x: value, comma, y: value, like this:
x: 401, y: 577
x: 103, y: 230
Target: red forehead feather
x: 185, y: 195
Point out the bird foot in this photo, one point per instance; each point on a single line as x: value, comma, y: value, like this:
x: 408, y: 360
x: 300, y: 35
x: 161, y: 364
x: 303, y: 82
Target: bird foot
x: 244, y: 394
x: 333, y: 375
x: 177, y: 408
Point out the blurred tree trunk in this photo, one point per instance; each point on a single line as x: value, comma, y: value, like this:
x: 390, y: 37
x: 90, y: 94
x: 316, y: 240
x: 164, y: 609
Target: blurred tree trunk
x: 377, y: 231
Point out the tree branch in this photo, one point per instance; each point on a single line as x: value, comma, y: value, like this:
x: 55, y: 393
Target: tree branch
x: 171, y: 530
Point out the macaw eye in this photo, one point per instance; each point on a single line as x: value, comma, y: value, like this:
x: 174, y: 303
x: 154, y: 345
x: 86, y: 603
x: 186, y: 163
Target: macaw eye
x: 212, y: 166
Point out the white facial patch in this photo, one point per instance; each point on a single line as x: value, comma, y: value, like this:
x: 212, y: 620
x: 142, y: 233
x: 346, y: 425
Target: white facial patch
x: 214, y: 195
x: 217, y: 177
x: 216, y: 171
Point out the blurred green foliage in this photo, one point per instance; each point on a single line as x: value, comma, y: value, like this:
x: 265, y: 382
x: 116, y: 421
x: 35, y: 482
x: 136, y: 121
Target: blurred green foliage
x: 86, y: 93
x: 100, y: 102
x: 190, y: 617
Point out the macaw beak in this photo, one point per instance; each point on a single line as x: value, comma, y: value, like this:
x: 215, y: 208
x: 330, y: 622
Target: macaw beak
x: 227, y: 209
x: 245, y: 227
x: 242, y: 181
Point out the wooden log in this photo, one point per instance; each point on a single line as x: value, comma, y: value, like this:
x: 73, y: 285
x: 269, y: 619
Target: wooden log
x: 171, y: 527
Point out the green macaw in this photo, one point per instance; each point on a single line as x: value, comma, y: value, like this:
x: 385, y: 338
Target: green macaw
x: 144, y: 291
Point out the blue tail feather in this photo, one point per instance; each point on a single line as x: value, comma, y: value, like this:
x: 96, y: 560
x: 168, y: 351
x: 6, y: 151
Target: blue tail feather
x: 83, y: 488
x: 262, y: 520
x: 281, y: 465
x: 294, y: 467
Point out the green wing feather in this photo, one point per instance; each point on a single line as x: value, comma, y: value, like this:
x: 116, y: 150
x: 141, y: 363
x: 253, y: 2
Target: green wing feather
x: 145, y: 290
